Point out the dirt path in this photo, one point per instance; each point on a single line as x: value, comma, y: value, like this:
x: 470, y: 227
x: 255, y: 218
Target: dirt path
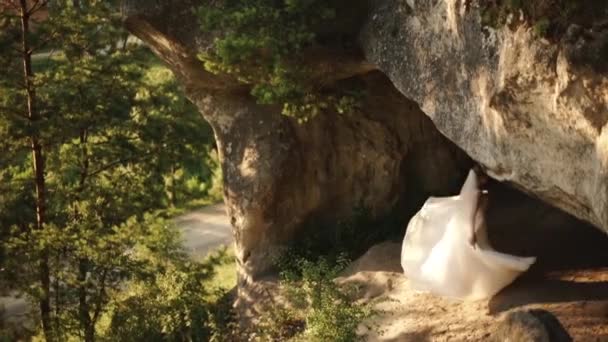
x: 202, y: 231
x: 205, y: 229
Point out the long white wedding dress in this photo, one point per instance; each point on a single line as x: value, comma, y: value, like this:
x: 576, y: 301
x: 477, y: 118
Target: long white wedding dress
x: 446, y: 250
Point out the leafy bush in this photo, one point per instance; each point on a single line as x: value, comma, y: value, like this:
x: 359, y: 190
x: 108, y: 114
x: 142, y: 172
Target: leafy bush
x: 319, y: 308
x: 170, y: 298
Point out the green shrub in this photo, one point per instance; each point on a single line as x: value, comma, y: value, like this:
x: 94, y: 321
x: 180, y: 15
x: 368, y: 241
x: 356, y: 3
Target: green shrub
x: 170, y: 297
x: 319, y: 308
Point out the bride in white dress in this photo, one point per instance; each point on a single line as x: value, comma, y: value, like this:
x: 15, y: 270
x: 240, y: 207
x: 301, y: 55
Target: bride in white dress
x: 446, y: 250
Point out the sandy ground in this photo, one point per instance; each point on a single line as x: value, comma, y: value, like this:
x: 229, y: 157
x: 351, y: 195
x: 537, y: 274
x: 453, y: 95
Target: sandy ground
x: 202, y: 231
x: 578, y: 298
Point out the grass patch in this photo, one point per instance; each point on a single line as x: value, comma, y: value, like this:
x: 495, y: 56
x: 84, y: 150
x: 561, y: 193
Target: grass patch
x: 220, y: 296
x: 224, y: 277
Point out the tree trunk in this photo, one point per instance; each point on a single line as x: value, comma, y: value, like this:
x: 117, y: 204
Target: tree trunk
x: 172, y: 187
x: 86, y: 323
x: 39, y: 172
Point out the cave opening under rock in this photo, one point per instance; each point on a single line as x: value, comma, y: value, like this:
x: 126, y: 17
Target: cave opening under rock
x: 357, y: 214
x: 431, y: 165
x: 569, y: 278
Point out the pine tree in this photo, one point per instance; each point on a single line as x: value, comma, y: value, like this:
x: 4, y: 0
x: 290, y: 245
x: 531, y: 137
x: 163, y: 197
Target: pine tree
x: 89, y: 134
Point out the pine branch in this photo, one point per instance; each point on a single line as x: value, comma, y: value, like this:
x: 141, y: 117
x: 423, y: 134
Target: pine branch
x: 115, y: 163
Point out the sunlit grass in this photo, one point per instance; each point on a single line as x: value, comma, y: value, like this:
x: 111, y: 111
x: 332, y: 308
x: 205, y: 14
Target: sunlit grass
x: 224, y: 278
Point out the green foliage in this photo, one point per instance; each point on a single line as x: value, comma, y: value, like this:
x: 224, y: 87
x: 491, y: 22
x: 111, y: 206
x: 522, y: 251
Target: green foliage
x: 179, y: 141
x: 320, y: 309
x: 215, y: 190
x: 317, y: 308
x: 165, y: 298
x: 117, y: 139
x: 173, y: 298
x: 261, y: 42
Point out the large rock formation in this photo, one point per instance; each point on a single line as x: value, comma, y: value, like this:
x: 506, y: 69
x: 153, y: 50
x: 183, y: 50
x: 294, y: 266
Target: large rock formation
x: 532, y: 112
x: 278, y: 173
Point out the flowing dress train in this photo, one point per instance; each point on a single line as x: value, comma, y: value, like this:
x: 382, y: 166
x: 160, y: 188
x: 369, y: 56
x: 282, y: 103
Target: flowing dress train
x: 446, y: 250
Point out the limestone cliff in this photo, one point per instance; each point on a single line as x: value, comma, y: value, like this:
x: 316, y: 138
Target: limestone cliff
x: 530, y: 110
x: 278, y: 173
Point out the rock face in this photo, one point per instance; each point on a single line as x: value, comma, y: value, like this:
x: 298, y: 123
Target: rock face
x: 533, y: 112
x: 278, y: 173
